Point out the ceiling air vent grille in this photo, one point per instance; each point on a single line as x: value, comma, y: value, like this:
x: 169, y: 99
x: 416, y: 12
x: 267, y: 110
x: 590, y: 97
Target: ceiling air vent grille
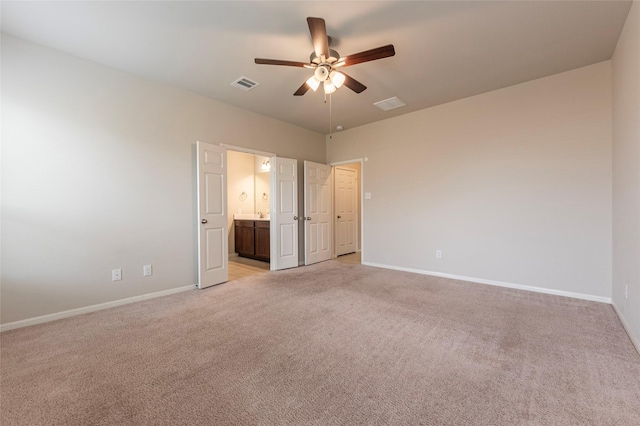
x: 244, y: 83
x: 391, y: 103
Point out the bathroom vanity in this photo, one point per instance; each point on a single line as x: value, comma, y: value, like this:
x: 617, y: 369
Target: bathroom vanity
x: 252, y: 238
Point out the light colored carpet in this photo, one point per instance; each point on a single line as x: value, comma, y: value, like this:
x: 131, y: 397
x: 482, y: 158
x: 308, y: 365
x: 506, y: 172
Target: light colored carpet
x: 332, y: 343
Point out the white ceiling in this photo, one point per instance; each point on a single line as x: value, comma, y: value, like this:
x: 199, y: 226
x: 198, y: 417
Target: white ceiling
x: 445, y: 50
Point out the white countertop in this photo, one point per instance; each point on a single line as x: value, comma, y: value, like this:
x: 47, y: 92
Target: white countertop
x: 250, y: 216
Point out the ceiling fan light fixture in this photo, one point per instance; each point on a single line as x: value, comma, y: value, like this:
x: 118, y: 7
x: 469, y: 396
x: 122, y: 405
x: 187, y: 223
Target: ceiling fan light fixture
x: 313, y: 83
x: 337, y: 78
x: 321, y: 73
x: 329, y: 87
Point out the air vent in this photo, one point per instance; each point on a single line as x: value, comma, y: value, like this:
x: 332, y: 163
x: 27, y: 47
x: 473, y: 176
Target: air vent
x: 391, y: 103
x: 244, y: 83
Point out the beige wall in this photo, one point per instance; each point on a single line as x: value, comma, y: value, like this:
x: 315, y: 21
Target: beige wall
x: 626, y: 174
x: 98, y: 173
x: 514, y: 185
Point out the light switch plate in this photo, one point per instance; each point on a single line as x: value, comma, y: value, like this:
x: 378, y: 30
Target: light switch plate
x: 367, y: 195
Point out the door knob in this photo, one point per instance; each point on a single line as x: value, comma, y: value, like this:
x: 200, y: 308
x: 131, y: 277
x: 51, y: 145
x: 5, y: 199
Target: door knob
x: 339, y: 217
x: 296, y: 218
x: 203, y: 221
x: 307, y: 218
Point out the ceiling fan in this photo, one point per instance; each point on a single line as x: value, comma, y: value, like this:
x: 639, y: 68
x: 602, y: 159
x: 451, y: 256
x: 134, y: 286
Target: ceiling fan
x: 326, y: 62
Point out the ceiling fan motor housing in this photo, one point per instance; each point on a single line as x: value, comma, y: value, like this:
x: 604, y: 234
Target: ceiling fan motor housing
x: 333, y: 57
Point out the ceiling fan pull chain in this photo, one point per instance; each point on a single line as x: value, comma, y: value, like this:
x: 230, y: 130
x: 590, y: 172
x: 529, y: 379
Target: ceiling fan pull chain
x: 330, y: 115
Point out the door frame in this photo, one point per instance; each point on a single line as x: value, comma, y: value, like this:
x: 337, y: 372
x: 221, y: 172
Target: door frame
x: 247, y: 150
x: 272, y: 233
x: 333, y: 164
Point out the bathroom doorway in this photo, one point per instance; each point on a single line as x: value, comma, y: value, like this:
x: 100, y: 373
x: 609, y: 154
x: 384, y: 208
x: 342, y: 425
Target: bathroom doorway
x: 248, y: 212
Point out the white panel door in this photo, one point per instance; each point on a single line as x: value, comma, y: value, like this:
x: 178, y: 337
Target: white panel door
x: 284, y: 213
x: 317, y: 207
x: 212, y: 215
x: 346, y: 210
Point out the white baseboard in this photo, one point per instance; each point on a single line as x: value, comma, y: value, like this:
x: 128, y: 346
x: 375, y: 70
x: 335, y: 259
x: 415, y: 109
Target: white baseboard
x: 627, y: 328
x: 495, y: 283
x: 86, y: 309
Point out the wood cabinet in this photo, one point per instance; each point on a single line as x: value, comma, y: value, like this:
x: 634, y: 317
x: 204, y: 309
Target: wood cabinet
x: 244, y: 237
x: 253, y: 239
x: 262, y: 238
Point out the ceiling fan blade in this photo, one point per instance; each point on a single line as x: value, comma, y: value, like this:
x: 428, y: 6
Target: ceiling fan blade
x: 319, y: 38
x: 279, y: 62
x: 302, y: 90
x: 366, y: 56
x: 353, y: 84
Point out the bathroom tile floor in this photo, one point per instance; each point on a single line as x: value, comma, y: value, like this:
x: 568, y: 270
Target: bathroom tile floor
x: 241, y: 267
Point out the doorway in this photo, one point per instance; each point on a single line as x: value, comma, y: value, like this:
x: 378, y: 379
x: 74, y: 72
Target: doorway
x: 248, y: 213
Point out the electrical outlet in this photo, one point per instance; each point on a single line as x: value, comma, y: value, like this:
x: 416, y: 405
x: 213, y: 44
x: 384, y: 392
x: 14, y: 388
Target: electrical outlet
x: 438, y: 254
x: 146, y: 270
x: 116, y: 275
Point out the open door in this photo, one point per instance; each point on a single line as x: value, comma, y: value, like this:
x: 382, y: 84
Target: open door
x: 318, y: 228
x: 212, y: 215
x: 284, y: 213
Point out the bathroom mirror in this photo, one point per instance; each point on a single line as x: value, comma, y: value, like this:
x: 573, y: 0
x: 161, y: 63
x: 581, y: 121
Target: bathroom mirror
x: 262, y: 192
